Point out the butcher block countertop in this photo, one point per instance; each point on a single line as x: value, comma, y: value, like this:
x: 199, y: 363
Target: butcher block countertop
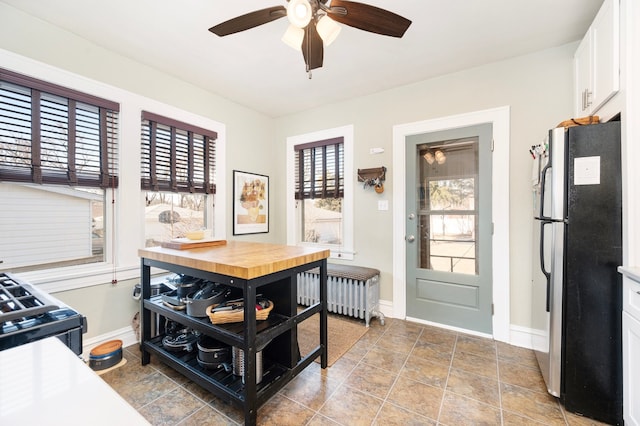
x: 238, y: 259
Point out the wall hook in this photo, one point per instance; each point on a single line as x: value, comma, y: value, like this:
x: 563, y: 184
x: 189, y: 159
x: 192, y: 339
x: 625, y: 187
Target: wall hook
x: 374, y: 177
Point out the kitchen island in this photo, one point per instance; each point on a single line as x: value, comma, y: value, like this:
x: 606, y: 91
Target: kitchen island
x: 253, y: 268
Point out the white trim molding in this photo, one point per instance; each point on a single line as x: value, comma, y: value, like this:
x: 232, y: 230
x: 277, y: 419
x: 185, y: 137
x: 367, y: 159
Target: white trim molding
x: 524, y: 337
x: 126, y: 334
x: 499, y: 117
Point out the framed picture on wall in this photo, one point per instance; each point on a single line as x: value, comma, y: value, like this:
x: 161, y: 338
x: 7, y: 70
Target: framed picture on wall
x: 250, y: 203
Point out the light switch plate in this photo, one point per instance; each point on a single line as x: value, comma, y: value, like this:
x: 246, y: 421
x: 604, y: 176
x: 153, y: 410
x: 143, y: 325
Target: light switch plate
x: 383, y: 204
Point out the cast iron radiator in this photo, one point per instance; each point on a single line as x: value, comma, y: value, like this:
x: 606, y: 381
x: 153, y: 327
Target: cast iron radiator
x: 351, y: 290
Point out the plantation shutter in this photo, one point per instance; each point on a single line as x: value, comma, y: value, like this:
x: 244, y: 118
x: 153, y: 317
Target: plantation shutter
x: 53, y: 135
x: 176, y: 156
x: 320, y: 169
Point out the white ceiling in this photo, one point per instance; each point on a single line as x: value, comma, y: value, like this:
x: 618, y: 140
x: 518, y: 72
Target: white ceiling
x: 254, y: 68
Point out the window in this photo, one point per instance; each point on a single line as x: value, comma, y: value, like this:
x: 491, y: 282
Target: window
x: 117, y: 207
x: 58, y: 165
x: 320, y: 189
x: 178, y: 165
x: 321, y: 203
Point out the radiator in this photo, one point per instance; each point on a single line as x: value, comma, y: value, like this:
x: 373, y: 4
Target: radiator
x: 351, y: 290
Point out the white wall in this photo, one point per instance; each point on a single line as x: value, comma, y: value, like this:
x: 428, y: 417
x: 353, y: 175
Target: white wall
x: 110, y: 307
x: 538, y: 90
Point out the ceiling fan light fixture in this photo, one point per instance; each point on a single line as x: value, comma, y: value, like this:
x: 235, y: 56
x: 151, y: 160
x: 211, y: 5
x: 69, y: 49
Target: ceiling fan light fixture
x: 293, y: 37
x: 328, y: 30
x: 317, y: 21
x: 299, y: 13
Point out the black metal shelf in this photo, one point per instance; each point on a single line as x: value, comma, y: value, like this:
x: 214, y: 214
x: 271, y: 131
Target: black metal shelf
x: 281, y: 361
x: 223, y: 384
x: 232, y: 333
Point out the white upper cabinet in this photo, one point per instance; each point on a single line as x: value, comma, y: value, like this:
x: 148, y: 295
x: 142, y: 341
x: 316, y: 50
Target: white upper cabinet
x: 597, y: 61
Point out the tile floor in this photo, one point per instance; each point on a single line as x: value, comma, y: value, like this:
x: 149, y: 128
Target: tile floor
x: 397, y: 374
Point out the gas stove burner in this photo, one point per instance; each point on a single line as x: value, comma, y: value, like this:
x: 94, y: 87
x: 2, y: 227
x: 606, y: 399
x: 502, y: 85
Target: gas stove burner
x: 19, y: 300
x: 27, y: 314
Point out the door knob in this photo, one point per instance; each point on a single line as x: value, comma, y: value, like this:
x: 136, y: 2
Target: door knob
x: 410, y: 238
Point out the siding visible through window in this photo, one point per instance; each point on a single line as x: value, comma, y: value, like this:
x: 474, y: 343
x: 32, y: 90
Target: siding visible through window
x: 58, y: 155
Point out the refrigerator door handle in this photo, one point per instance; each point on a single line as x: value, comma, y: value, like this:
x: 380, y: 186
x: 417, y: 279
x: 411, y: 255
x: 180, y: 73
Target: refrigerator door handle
x: 543, y: 181
x: 546, y: 273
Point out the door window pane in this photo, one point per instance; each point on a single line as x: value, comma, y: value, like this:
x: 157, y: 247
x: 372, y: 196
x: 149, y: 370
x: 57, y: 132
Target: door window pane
x: 452, y: 247
x: 447, y: 201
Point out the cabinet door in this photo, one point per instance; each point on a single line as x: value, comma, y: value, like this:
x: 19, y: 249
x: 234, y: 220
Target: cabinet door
x: 597, y: 61
x: 582, y: 76
x: 605, y: 41
x: 631, y: 369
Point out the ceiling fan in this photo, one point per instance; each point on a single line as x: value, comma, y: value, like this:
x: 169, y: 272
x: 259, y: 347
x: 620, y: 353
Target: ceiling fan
x: 313, y: 24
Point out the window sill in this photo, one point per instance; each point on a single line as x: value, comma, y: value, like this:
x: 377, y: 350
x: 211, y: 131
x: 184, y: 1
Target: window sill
x: 336, y: 253
x: 64, y: 279
x: 342, y: 255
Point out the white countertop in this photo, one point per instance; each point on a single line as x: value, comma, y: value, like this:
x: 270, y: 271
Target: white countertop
x: 633, y: 273
x: 45, y: 383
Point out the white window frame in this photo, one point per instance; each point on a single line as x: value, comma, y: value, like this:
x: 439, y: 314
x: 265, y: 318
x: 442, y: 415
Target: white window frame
x: 129, y: 198
x: 346, y: 251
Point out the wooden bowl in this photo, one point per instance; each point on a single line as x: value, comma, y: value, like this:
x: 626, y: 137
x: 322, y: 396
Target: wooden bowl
x: 195, y: 235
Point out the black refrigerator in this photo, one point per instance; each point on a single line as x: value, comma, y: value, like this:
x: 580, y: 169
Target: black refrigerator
x: 576, y: 289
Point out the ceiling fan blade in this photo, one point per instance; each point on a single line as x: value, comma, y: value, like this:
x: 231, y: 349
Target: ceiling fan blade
x: 249, y: 20
x: 368, y: 18
x: 312, y: 47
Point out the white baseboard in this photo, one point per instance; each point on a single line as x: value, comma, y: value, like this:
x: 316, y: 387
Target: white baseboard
x: 518, y: 335
x: 522, y: 336
x: 386, y: 307
x: 126, y: 334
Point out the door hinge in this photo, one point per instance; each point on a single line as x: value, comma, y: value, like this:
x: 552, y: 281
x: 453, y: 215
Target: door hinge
x: 493, y: 144
x: 493, y: 227
x: 493, y: 311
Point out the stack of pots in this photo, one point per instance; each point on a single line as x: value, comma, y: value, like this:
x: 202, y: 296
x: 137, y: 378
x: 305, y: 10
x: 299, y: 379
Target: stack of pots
x: 213, y: 354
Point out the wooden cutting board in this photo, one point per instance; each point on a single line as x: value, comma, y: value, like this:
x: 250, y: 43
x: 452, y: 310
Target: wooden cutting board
x: 185, y: 243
